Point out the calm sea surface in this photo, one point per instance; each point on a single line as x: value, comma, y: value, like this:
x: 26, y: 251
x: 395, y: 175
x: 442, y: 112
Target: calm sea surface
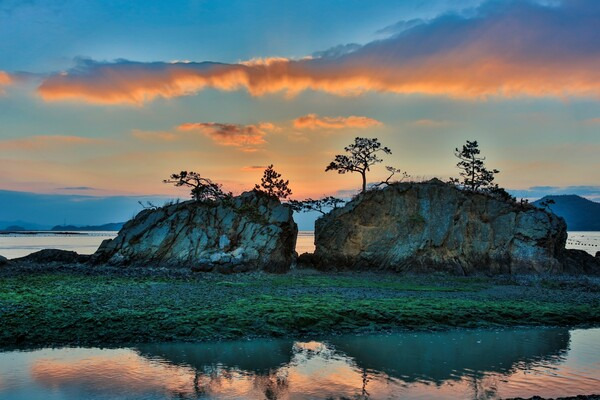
x: 463, y: 364
x: 18, y: 245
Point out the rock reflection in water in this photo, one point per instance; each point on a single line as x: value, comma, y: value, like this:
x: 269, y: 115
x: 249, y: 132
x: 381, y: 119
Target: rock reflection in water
x: 363, y: 366
x: 457, y: 364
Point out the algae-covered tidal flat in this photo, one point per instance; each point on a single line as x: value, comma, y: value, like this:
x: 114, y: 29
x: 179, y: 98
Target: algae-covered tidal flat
x: 71, y: 307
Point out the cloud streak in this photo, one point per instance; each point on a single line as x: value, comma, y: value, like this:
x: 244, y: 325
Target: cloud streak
x: 5, y: 80
x: 43, y: 142
x: 161, y: 136
x: 246, y: 137
x: 314, y: 121
x: 514, y: 48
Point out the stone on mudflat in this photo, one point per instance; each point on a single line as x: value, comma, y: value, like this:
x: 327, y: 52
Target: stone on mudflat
x: 48, y: 256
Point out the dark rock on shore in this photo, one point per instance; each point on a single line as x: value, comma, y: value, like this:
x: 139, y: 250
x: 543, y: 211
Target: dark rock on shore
x: 48, y: 256
x: 433, y: 226
x: 3, y: 261
x: 307, y: 260
x: 251, y: 231
x: 579, y: 261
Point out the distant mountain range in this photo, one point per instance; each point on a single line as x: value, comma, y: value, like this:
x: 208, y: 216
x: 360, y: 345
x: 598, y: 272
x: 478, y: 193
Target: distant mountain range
x: 580, y: 213
x: 114, y: 226
x: 21, y: 226
x: 18, y: 226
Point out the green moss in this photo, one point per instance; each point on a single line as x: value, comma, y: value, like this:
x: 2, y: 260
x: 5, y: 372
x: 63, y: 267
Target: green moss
x: 75, y: 309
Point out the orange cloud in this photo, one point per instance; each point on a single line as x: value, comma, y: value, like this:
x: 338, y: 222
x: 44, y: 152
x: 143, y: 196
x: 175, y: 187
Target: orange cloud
x: 506, y: 50
x: 44, y: 142
x: 5, y: 80
x: 247, y: 137
x: 592, y: 121
x: 313, y: 121
x: 250, y: 168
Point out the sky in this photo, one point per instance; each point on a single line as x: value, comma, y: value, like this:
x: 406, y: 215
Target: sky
x: 105, y: 99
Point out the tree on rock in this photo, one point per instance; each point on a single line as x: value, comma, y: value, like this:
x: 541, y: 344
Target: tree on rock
x: 272, y: 184
x: 202, y: 189
x: 393, y: 171
x: 362, y: 155
x: 474, y: 176
x: 323, y: 205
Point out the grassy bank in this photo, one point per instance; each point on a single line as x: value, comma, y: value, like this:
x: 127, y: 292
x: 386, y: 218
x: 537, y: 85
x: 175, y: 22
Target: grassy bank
x: 71, y: 308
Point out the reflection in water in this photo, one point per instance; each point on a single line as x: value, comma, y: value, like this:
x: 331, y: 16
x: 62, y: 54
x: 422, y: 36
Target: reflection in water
x: 457, y: 364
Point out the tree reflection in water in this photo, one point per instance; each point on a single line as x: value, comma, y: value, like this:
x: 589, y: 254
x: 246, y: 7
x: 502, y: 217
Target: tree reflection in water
x: 456, y: 364
x: 441, y: 359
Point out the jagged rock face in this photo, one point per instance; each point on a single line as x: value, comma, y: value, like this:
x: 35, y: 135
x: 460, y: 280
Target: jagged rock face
x: 430, y: 226
x: 253, y: 231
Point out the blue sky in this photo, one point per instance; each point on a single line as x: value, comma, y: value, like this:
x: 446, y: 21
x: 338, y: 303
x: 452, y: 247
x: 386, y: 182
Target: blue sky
x: 107, y: 98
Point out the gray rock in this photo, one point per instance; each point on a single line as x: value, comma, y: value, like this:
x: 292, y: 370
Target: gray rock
x: 433, y: 226
x: 202, y: 267
x: 47, y: 256
x: 224, y: 269
x: 216, y: 258
x: 224, y: 242
x: 196, y: 235
x: 578, y: 261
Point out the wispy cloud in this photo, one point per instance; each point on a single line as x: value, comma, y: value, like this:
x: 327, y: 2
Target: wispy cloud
x: 314, y: 121
x: 5, y: 80
x: 592, y: 121
x: 164, y: 136
x: 83, y: 188
x: 515, y: 48
x: 246, y: 137
x: 400, y: 26
x: 45, y: 141
x: 253, y: 168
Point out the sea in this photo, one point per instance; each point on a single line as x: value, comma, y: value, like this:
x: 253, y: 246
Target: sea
x: 13, y: 245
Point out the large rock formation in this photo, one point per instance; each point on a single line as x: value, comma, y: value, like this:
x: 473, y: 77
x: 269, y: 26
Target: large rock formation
x: 435, y: 226
x: 252, y: 231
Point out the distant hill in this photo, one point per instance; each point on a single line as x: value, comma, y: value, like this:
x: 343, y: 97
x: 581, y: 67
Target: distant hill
x: 581, y: 214
x: 115, y: 226
x: 24, y: 225
x: 14, y: 228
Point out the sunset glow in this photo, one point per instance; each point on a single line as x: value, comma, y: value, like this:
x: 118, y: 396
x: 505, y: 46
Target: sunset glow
x: 520, y: 77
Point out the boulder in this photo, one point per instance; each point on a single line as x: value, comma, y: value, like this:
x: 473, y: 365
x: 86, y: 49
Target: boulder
x: 434, y: 226
x: 251, y: 231
x: 578, y: 261
x: 50, y: 256
x: 3, y: 261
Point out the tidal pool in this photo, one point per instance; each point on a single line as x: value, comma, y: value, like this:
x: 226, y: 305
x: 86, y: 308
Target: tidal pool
x: 466, y: 364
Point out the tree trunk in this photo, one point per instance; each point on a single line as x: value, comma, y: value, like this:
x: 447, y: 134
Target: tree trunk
x: 364, y: 181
